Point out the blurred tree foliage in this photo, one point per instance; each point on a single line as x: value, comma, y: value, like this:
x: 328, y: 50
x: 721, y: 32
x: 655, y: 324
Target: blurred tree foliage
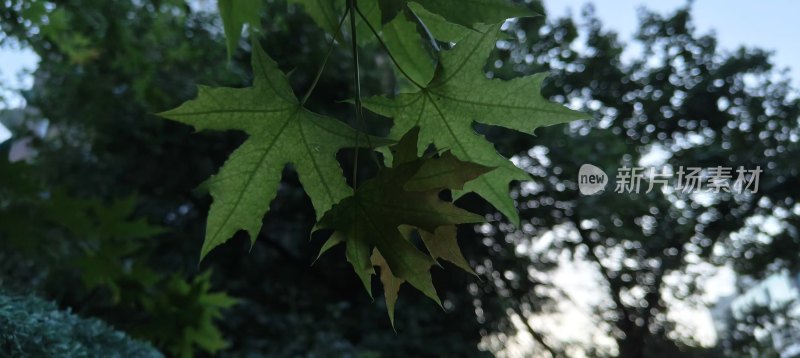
x: 68, y: 230
x: 684, y: 97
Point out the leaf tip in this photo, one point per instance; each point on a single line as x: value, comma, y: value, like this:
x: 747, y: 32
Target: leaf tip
x: 438, y: 301
x: 203, y: 254
x: 366, y: 280
x: 391, y: 320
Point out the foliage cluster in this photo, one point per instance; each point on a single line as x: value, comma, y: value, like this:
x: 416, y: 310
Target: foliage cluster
x: 103, y: 252
x: 449, y: 93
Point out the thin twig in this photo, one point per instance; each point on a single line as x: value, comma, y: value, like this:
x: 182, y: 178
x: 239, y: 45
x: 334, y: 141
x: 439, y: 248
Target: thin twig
x: 613, y: 284
x: 325, y: 61
x: 357, y: 85
x: 538, y: 337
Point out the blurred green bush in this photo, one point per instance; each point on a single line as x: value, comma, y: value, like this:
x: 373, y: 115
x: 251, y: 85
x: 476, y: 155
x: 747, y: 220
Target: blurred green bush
x: 30, y: 326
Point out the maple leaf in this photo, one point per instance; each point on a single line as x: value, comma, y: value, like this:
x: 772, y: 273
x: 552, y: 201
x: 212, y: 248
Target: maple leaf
x: 440, y: 244
x: 404, y: 43
x: 236, y: 13
x: 437, y: 26
x: 462, y: 12
x: 447, y: 20
x: 405, y: 195
x: 391, y: 283
x: 459, y: 95
x: 281, y: 131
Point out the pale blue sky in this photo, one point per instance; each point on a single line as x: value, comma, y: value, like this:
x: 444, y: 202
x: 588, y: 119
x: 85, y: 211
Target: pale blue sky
x: 768, y: 24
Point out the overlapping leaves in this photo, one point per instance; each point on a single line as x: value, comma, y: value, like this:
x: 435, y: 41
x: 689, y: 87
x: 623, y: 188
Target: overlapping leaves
x: 464, y: 13
x: 378, y: 220
x: 383, y: 210
x: 447, y: 105
x: 408, y: 28
x: 460, y: 95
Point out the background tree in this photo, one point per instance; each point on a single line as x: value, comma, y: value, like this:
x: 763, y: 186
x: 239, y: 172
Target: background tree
x: 107, y: 66
x: 694, y: 104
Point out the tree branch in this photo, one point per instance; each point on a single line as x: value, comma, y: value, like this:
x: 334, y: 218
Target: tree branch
x: 538, y: 337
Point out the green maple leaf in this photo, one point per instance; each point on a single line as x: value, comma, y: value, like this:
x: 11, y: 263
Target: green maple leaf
x: 446, y: 20
x: 408, y: 48
x: 437, y: 25
x: 235, y: 14
x: 281, y: 131
x: 404, y: 195
x: 459, y: 95
x: 471, y: 12
x: 462, y: 12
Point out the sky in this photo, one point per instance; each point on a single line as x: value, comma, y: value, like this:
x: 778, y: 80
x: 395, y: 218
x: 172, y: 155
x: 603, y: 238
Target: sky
x: 767, y: 24
x: 15, y: 67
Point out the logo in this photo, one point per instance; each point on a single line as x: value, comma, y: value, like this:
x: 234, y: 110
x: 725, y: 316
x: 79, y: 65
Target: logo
x: 591, y: 179
x: 687, y: 180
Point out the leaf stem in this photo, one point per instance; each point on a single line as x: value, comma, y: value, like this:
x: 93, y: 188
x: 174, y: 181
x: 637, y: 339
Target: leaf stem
x: 353, y: 7
x: 325, y: 61
x: 383, y: 44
